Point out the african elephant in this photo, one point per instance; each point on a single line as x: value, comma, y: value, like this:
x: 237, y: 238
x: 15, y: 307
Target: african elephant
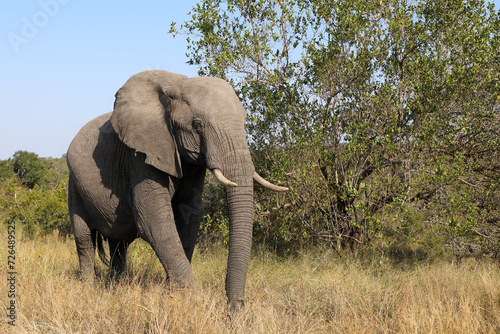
x: 139, y: 172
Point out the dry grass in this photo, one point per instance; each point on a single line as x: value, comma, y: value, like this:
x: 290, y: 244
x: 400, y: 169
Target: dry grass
x: 302, y: 295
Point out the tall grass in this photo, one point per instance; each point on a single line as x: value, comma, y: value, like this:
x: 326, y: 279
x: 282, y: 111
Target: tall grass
x: 297, y: 295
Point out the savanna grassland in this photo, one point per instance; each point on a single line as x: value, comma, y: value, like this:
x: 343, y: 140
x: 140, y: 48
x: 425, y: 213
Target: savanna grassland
x: 309, y: 293
x: 383, y: 119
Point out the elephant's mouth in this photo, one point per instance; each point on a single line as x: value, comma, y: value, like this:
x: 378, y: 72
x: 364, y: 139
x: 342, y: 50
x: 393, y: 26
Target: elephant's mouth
x: 259, y: 179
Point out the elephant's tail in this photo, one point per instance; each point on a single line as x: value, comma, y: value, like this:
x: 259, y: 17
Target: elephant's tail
x: 98, y: 241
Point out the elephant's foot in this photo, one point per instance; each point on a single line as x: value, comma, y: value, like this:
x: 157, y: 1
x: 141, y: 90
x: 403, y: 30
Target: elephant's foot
x: 181, y: 281
x: 87, y: 277
x: 236, y: 306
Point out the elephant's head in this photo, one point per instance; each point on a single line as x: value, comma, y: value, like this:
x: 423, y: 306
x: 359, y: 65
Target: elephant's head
x: 176, y: 120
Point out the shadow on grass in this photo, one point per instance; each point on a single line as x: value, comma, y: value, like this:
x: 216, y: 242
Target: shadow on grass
x: 409, y: 255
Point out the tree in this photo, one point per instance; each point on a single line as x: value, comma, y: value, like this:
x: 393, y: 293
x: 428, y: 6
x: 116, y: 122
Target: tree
x: 36, y: 211
x: 356, y: 102
x: 34, y: 194
x: 6, y: 169
x: 30, y: 169
x: 57, y: 171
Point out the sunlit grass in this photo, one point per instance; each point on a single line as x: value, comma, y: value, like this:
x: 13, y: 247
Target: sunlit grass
x: 306, y: 294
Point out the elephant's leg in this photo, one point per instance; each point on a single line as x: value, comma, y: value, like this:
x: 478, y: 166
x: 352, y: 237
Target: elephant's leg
x: 85, y: 244
x: 187, y: 206
x: 155, y: 222
x: 118, y: 258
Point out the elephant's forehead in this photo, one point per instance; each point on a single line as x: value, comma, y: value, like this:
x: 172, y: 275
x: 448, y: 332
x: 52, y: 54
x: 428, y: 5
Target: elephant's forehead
x: 211, y: 95
x: 203, y: 87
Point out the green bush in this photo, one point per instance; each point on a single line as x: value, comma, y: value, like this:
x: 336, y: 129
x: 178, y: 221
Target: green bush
x: 36, y: 211
x: 215, y: 224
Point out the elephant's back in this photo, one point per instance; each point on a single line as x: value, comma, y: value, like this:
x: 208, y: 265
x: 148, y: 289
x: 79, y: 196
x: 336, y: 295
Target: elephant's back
x: 97, y: 161
x: 85, y: 141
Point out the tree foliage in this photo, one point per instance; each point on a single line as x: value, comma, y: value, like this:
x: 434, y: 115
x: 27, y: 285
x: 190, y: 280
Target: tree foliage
x: 36, y: 211
x: 29, y: 168
x: 33, y: 194
x: 6, y: 169
x: 383, y: 116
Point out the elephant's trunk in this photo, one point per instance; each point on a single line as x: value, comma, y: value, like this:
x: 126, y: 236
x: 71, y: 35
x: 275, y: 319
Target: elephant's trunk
x: 240, y: 207
x: 229, y: 159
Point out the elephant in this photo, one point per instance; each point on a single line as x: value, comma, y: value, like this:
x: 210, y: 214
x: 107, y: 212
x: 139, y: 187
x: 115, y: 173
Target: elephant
x: 138, y: 172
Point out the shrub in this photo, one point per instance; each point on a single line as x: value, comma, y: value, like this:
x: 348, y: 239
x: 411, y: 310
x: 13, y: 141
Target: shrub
x: 37, y: 211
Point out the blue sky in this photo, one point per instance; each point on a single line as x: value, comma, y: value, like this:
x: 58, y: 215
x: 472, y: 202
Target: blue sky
x: 62, y: 61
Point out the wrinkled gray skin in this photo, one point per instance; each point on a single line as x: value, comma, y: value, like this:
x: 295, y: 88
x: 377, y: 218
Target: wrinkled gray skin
x: 139, y: 172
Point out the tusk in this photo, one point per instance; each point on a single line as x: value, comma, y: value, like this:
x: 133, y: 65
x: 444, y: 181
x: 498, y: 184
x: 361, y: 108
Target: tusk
x: 222, y: 179
x: 266, y: 184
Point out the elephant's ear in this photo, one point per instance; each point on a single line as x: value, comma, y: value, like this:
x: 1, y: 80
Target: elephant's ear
x: 140, y: 118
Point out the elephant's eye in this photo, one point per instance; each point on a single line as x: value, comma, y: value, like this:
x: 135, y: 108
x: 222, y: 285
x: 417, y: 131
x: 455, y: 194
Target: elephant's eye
x: 198, y: 126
